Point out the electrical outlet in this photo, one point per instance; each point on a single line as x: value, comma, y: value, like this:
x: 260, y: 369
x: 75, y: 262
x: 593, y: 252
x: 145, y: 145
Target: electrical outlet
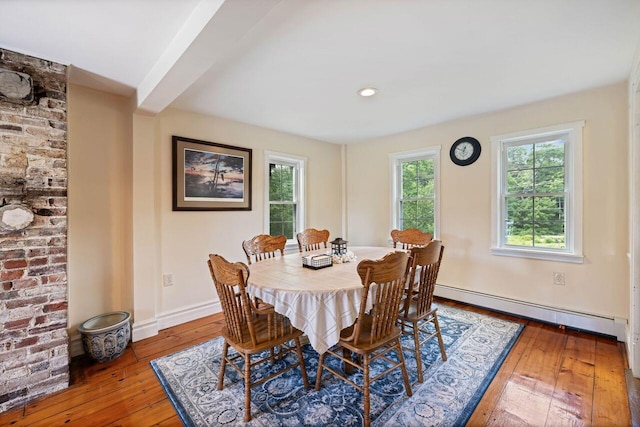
x: 558, y: 279
x: 167, y: 279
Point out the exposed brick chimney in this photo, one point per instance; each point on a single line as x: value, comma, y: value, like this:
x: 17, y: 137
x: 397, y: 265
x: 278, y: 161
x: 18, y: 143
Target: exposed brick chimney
x: 34, y: 356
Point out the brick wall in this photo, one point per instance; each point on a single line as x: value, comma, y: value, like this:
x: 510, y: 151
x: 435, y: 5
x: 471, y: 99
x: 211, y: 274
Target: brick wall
x: 34, y: 358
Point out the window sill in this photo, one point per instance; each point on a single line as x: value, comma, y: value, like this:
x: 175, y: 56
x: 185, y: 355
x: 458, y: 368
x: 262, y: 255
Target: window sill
x: 291, y: 246
x: 546, y: 256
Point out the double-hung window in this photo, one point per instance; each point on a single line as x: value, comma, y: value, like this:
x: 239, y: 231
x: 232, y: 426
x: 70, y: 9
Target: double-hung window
x: 415, y: 188
x: 537, y: 182
x: 284, y: 194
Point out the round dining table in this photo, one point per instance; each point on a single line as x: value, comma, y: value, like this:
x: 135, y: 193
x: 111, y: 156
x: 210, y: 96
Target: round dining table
x: 319, y: 302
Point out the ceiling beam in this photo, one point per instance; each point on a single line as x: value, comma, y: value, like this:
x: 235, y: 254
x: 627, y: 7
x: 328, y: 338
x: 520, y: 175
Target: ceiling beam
x: 212, y: 30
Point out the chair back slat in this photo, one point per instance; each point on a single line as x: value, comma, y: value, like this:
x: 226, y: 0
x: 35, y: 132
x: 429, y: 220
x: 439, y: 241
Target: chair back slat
x: 312, y: 239
x: 386, y: 279
x: 229, y: 279
x: 264, y: 246
x: 409, y: 238
x: 425, y: 264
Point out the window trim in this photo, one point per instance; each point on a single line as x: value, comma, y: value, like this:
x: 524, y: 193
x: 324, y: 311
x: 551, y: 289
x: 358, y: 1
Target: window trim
x: 300, y: 164
x: 573, y: 189
x: 395, y: 159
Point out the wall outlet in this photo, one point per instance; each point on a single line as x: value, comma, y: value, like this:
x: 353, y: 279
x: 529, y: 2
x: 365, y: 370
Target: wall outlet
x: 167, y: 279
x: 558, y: 279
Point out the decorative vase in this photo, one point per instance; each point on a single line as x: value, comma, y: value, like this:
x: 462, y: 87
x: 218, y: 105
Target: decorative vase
x: 105, y: 337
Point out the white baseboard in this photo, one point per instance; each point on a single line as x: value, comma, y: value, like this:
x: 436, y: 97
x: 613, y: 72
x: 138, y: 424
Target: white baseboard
x: 75, y: 345
x: 151, y: 327
x: 187, y: 314
x: 613, y: 326
x: 145, y: 329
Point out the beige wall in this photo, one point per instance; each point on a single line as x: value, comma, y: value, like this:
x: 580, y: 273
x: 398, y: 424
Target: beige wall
x: 186, y: 237
x: 122, y: 229
x: 599, y: 286
x: 100, y: 174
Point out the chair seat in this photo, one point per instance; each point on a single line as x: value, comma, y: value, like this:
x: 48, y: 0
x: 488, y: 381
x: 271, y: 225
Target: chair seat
x: 364, y: 346
x: 412, y: 314
x: 262, y: 337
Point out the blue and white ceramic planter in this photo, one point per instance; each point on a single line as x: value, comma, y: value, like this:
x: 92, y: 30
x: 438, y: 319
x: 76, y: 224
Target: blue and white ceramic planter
x: 105, y: 337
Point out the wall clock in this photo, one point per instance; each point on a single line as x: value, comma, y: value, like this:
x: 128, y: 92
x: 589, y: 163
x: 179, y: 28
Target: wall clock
x: 465, y: 151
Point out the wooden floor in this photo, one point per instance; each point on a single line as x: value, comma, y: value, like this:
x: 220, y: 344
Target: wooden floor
x: 552, y: 377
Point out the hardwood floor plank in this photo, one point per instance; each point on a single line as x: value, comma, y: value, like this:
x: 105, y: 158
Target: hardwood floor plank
x: 609, y: 409
x: 527, y: 395
x: 93, y: 395
x: 154, y: 414
x: 102, y: 410
x: 571, y: 404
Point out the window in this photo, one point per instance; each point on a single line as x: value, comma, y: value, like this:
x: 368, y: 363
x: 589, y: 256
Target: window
x: 538, y: 193
x: 284, y: 211
x: 415, y: 187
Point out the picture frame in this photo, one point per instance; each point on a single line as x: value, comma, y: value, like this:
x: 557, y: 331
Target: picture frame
x: 208, y: 176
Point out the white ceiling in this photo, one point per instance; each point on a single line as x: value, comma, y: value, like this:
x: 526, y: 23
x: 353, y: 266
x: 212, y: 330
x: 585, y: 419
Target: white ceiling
x: 295, y: 65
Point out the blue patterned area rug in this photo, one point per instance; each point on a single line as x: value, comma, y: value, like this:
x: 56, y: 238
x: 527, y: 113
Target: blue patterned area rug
x: 476, y: 346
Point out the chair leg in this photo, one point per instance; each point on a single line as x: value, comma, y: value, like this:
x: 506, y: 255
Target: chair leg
x: 403, y: 367
x: 440, y: 342
x: 247, y: 388
x: 366, y: 400
x: 303, y: 369
x: 223, y: 365
x: 416, y: 343
x: 347, y: 368
x: 319, y: 374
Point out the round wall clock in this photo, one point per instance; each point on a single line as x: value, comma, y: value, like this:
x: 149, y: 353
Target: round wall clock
x: 465, y: 151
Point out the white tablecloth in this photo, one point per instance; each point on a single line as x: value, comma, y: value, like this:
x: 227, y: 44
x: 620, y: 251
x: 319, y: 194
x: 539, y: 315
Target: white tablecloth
x: 319, y: 302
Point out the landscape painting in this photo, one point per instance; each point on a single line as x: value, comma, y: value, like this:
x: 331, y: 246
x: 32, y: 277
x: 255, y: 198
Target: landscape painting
x: 210, y: 176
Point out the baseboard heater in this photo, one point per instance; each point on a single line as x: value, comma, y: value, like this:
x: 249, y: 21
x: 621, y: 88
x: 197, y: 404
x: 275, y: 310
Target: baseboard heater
x: 612, y: 326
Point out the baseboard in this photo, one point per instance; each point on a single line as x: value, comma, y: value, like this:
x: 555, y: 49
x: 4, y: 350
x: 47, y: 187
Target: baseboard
x: 612, y: 326
x: 75, y: 345
x: 150, y: 328
x: 144, y: 329
x: 187, y: 314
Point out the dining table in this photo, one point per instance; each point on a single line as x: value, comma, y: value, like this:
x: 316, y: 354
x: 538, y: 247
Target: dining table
x: 319, y: 302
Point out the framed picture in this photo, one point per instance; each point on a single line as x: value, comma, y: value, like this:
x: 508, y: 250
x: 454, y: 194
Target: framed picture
x: 210, y: 177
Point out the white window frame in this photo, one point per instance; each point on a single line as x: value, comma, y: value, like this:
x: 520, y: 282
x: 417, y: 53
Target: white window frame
x: 573, y: 194
x: 300, y: 167
x: 395, y: 172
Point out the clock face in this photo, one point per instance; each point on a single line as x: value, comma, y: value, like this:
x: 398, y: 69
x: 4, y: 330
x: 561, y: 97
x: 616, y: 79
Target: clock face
x: 465, y: 151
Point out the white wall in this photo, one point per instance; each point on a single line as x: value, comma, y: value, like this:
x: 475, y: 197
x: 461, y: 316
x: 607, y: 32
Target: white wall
x: 599, y: 286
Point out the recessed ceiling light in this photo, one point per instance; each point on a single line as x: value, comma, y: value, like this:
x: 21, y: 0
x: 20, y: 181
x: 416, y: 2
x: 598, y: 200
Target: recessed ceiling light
x: 367, y: 91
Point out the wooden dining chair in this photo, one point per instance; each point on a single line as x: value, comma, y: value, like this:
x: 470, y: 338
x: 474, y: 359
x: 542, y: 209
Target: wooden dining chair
x: 248, y: 331
x: 376, y: 332
x: 410, y: 237
x: 417, y: 310
x: 264, y: 246
x: 261, y: 247
x: 312, y: 239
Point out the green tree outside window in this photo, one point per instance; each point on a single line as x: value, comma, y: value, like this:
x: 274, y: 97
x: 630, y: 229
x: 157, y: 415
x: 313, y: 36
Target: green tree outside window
x: 282, y: 204
x: 535, y: 195
x: 417, y: 201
